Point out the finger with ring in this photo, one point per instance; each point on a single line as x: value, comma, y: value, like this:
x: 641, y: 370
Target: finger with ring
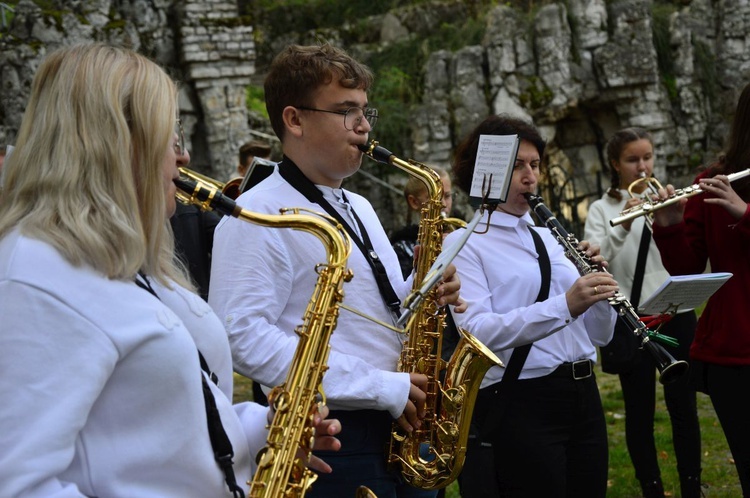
x: 596, y: 290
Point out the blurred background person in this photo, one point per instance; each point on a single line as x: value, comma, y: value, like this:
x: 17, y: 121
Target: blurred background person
x: 249, y: 151
x: 415, y: 193
x: 193, y: 231
x: 635, y: 262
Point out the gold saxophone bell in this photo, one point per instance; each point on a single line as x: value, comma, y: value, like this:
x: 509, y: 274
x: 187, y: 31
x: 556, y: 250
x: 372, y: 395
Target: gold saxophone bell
x: 450, y: 224
x: 433, y: 455
x: 365, y: 492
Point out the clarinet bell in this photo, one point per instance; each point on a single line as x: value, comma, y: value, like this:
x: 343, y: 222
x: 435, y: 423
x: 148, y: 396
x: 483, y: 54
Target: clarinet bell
x: 670, y: 369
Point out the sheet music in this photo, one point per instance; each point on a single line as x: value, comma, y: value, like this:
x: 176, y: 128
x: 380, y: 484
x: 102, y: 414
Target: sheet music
x: 496, y: 156
x: 683, y: 293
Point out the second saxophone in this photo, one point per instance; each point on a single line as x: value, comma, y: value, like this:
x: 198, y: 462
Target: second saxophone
x: 432, y: 456
x: 282, y: 464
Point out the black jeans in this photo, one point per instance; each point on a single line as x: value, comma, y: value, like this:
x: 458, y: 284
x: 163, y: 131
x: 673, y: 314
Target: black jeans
x: 639, y: 393
x: 551, y: 442
x: 362, y: 460
x: 727, y: 387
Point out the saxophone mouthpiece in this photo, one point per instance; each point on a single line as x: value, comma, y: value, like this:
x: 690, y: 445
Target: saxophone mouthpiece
x: 207, y: 197
x: 375, y: 151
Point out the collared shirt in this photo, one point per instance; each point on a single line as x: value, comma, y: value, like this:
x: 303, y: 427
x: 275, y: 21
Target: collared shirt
x: 500, y: 280
x: 262, y: 280
x: 103, y: 384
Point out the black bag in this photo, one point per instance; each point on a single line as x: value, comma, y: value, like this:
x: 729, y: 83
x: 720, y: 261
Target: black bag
x: 620, y: 354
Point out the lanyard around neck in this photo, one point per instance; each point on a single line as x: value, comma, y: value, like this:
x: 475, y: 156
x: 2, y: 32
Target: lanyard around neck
x: 294, y: 176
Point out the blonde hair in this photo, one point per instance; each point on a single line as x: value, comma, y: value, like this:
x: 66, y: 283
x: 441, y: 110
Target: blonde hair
x: 86, y: 173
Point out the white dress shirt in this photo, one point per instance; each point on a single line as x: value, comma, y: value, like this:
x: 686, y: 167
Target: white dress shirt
x: 500, y: 280
x: 262, y: 279
x: 101, y: 385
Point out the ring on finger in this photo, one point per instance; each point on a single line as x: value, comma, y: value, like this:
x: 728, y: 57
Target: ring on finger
x: 596, y: 290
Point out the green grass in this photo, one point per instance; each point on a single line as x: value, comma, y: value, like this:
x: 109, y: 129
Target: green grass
x: 719, y: 474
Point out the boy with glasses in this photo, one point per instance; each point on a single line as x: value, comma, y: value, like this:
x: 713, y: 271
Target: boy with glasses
x: 316, y: 98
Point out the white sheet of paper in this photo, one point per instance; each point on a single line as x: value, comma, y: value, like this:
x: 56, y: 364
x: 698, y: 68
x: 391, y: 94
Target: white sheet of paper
x: 496, y: 156
x: 683, y: 293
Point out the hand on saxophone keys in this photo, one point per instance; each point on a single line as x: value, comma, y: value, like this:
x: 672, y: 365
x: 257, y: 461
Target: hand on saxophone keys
x: 449, y: 287
x: 414, y: 411
x: 325, y: 440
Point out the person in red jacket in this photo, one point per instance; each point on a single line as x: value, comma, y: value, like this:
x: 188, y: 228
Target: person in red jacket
x: 714, y: 228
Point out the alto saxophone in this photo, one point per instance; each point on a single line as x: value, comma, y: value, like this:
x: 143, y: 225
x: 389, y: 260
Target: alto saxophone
x: 670, y: 369
x: 432, y: 456
x: 282, y: 463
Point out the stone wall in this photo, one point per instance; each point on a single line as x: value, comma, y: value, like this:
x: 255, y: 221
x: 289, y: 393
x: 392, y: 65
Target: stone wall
x: 579, y: 69
x: 202, y: 44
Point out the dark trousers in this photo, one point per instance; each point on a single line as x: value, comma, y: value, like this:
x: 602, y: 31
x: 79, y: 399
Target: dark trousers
x: 551, y: 442
x: 639, y: 393
x: 362, y: 460
x: 727, y: 387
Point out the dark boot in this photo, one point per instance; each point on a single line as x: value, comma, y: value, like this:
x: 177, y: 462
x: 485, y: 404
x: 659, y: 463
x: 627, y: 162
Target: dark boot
x: 652, y: 489
x: 691, y: 487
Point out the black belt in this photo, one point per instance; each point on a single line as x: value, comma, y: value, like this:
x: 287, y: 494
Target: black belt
x: 577, y: 370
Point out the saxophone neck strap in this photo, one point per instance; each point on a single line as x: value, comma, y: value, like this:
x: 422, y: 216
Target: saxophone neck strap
x: 220, y: 443
x: 297, y: 179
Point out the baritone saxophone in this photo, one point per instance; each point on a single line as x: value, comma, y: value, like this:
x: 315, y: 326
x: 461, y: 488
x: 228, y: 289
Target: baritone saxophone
x: 282, y: 464
x: 432, y: 456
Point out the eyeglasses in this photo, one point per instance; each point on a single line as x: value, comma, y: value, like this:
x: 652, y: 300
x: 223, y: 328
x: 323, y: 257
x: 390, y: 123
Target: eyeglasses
x: 179, y: 146
x: 352, y: 116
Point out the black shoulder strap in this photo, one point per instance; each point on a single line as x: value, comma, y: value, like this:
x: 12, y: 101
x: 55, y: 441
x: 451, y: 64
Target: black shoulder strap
x: 640, y: 266
x: 292, y: 174
x: 518, y: 357
x: 222, y: 446
x: 220, y: 443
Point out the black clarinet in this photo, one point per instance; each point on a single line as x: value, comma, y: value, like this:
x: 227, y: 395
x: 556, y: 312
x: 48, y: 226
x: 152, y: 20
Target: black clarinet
x: 670, y: 369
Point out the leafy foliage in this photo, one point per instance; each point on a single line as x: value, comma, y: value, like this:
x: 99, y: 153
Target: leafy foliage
x: 255, y: 100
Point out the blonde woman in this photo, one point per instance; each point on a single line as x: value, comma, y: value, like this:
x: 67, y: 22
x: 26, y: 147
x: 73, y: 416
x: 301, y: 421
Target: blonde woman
x: 101, y: 335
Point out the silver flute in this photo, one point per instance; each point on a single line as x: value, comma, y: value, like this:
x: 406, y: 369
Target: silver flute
x: 649, y: 207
